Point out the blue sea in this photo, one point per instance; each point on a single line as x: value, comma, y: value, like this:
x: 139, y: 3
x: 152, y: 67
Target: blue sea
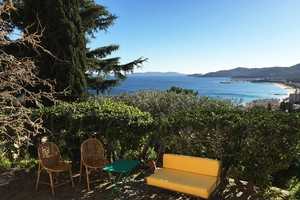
x: 205, y: 86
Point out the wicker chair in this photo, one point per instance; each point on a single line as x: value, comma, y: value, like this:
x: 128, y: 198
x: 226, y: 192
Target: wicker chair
x: 51, y: 161
x: 92, y: 156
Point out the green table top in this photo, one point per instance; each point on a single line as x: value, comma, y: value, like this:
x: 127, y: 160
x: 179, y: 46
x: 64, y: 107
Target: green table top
x: 121, y: 165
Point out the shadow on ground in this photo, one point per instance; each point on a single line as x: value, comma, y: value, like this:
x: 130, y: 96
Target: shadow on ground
x: 20, y: 185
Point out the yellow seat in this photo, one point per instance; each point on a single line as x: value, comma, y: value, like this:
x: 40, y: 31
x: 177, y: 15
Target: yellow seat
x: 181, y: 181
x: 187, y: 174
x: 193, y: 164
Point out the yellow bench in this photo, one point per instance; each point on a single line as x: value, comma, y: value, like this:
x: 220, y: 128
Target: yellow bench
x: 191, y: 175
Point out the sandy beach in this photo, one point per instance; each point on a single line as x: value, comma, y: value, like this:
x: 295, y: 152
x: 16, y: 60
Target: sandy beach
x: 286, y: 87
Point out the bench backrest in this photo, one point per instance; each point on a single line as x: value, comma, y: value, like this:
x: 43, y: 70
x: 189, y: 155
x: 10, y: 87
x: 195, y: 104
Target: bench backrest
x: 192, y: 164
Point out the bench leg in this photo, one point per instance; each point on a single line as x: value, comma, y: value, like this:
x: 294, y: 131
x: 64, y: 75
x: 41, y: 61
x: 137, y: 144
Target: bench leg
x: 147, y: 191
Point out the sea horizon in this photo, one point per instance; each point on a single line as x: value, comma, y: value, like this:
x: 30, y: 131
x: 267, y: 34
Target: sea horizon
x: 206, y: 86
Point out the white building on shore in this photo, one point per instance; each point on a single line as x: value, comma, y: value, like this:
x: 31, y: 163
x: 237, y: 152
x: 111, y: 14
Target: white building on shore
x: 274, y: 103
x: 295, y: 98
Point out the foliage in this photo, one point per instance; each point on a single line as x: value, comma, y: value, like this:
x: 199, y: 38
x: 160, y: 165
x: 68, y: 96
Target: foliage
x: 119, y: 127
x: 286, y: 106
x: 105, y: 74
x: 5, y: 163
x: 180, y: 90
x: 69, y: 25
x: 289, y: 179
x: 151, y: 155
x: 102, y: 73
x: 29, y: 163
x: 16, y: 74
x: 255, y: 143
x: 95, y: 17
x: 163, y: 102
x: 64, y: 36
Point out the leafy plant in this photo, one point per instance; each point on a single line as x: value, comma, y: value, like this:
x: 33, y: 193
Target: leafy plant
x: 255, y: 143
x: 120, y: 128
x: 163, y: 102
x: 179, y: 90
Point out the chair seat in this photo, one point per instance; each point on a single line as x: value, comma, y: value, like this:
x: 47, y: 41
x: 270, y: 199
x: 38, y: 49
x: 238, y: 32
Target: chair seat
x: 185, y: 182
x: 59, y: 167
x: 96, y: 164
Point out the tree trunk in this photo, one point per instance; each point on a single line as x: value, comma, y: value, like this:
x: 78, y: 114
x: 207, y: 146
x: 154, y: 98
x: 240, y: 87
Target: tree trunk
x: 121, y: 155
x: 145, y: 148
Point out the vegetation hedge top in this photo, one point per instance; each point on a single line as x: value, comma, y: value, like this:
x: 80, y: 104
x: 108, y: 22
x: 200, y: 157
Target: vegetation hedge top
x: 255, y: 143
x: 120, y: 127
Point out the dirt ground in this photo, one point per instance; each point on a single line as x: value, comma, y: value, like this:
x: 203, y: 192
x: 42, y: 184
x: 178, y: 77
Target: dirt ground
x: 20, y: 185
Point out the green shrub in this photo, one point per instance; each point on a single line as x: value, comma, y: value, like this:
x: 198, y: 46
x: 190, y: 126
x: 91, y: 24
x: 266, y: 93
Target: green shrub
x: 119, y: 127
x: 164, y: 102
x: 5, y: 163
x: 11, y: 151
x: 179, y: 90
x: 289, y: 179
x: 255, y: 143
x: 28, y: 163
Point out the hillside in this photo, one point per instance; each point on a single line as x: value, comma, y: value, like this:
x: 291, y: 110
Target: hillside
x: 157, y: 74
x: 292, y: 72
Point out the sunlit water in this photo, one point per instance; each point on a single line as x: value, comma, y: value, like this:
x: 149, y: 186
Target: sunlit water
x: 205, y: 86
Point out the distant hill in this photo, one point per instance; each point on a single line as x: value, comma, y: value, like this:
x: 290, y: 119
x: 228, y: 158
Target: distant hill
x: 196, y: 75
x: 157, y: 74
x: 292, y: 72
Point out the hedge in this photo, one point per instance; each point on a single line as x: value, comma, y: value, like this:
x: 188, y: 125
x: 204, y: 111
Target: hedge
x: 121, y: 128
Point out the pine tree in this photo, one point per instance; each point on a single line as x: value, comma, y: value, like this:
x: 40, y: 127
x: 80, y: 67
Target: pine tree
x: 63, y: 35
x: 16, y: 122
x: 100, y: 70
x: 67, y: 31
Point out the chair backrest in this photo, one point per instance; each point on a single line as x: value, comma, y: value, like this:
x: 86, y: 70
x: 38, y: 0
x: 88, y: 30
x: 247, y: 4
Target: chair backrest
x: 192, y: 164
x: 49, y: 154
x: 92, y: 151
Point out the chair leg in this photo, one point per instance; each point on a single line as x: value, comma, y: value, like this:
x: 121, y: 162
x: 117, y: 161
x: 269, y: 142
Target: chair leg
x: 38, y: 178
x: 109, y: 178
x: 87, y: 177
x: 101, y: 173
x: 56, y: 177
x: 51, y: 182
x: 71, y: 177
x: 80, y: 171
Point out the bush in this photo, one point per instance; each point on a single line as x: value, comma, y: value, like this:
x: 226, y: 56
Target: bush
x: 119, y: 127
x: 5, y: 163
x: 289, y: 179
x: 255, y: 143
x: 179, y: 90
x: 166, y: 102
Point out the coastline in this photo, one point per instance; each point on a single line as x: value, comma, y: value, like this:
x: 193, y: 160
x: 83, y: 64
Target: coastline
x: 286, y: 87
x: 290, y: 89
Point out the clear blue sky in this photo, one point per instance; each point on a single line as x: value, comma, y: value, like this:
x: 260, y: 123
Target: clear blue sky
x: 199, y: 36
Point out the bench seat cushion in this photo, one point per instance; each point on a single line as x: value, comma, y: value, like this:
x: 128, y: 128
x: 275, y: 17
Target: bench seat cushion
x: 185, y: 182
